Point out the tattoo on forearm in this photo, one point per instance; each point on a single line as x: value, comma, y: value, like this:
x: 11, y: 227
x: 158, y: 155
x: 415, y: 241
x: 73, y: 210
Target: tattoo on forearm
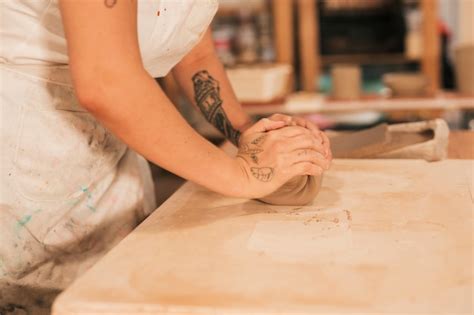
x: 110, y: 3
x: 207, y: 97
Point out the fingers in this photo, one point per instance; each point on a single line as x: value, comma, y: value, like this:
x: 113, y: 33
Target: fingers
x: 311, y: 126
x: 327, y: 146
x: 315, y: 130
x: 291, y: 131
x: 306, y: 168
x: 290, y: 121
x: 265, y: 124
x: 298, y: 121
x: 305, y: 155
x: 280, y: 117
x: 303, y: 142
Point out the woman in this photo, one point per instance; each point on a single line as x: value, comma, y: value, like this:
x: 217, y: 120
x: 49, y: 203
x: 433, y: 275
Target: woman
x: 79, y: 99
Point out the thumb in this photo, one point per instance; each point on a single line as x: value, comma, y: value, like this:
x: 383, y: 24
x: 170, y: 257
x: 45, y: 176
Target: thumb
x: 266, y: 124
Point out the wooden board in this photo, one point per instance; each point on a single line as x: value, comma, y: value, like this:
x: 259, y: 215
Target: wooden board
x: 308, y: 41
x: 461, y: 145
x: 383, y: 236
x: 359, y: 144
x: 307, y: 103
x: 430, y: 65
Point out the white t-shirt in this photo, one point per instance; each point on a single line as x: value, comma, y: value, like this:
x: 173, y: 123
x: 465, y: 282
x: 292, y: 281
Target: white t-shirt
x: 31, y: 31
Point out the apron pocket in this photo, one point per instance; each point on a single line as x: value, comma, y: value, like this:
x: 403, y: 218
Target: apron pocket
x: 60, y: 152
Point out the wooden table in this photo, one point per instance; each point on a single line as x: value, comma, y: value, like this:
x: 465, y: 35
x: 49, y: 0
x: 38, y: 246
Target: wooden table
x: 461, y: 145
x: 309, y: 103
x: 383, y: 236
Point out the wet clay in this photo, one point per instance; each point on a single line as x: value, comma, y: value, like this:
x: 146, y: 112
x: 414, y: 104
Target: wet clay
x: 298, y: 191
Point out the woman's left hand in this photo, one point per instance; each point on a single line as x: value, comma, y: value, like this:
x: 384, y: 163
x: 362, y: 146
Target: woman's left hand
x: 300, y: 121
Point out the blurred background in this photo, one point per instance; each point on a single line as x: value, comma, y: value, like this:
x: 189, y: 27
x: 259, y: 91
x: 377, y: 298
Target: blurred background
x: 345, y: 64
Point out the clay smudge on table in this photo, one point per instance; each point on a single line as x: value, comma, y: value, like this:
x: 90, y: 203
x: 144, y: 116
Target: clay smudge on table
x: 302, y: 234
x: 2, y: 271
x: 349, y: 215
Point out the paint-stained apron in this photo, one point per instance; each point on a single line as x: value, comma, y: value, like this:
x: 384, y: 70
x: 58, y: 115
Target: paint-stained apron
x: 70, y: 190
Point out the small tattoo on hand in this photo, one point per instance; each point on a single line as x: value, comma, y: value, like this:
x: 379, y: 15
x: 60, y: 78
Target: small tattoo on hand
x: 252, y: 152
x: 254, y: 158
x: 259, y: 140
x: 263, y: 174
x: 253, y: 149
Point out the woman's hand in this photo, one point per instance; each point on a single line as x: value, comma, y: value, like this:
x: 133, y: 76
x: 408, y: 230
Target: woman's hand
x: 271, y: 153
x: 300, y: 121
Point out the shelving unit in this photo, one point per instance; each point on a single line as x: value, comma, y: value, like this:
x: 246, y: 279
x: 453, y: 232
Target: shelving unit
x: 312, y: 61
x: 283, y: 33
x: 283, y: 30
x: 367, y: 59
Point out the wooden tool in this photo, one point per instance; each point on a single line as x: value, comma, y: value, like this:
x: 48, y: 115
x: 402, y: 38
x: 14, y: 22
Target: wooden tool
x: 426, y: 140
x: 360, y: 144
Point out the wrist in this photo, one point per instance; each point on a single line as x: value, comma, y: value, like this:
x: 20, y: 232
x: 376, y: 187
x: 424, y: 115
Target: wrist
x: 242, y: 128
x: 246, y: 125
x: 240, y: 185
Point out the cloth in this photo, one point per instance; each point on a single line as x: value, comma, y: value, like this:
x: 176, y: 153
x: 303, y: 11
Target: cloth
x: 70, y: 190
x: 298, y: 191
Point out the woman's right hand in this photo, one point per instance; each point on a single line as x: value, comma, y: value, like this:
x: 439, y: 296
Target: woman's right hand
x: 271, y: 153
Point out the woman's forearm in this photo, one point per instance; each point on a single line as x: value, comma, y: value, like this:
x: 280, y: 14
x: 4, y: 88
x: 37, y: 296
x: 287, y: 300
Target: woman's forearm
x: 203, y: 79
x: 140, y: 114
x: 111, y: 82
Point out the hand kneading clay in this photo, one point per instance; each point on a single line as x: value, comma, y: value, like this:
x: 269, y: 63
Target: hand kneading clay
x: 298, y: 191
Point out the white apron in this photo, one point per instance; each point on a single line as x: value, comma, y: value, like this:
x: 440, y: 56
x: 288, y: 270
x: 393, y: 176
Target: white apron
x: 70, y: 190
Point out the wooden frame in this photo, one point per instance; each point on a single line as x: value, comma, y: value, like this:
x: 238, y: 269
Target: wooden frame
x: 309, y: 44
x: 283, y: 30
x: 311, y: 60
x: 430, y: 62
x: 283, y: 36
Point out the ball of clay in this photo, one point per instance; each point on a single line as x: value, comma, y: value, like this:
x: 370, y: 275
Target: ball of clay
x: 298, y: 191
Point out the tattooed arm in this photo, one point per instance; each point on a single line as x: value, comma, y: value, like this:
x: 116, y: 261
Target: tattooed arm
x: 203, y: 79
x: 103, y: 46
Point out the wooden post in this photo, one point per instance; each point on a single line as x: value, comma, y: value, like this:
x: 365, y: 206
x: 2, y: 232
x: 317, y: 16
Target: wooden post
x: 309, y: 44
x: 283, y: 30
x: 430, y: 60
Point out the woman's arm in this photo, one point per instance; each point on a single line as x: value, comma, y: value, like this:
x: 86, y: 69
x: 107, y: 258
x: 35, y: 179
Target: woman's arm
x: 111, y: 83
x: 202, y: 77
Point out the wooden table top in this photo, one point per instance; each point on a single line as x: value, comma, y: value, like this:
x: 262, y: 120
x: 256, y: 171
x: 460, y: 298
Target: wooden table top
x: 461, y: 145
x: 382, y: 236
x: 307, y: 103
